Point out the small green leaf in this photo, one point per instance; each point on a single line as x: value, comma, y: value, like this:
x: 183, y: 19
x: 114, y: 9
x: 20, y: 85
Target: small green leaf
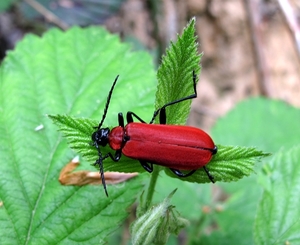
x: 278, y: 216
x: 175, y: 75
x: 231, y: 163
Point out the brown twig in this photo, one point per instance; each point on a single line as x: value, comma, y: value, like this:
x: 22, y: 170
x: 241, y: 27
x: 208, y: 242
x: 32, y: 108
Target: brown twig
x: 292, y: 22
x: 256, y: 33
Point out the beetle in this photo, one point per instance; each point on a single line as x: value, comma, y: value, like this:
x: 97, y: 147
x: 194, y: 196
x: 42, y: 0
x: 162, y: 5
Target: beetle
x: 177, y: 147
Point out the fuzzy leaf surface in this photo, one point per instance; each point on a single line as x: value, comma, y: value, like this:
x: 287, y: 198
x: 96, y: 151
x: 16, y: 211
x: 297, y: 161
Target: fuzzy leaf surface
x: 278, y: 216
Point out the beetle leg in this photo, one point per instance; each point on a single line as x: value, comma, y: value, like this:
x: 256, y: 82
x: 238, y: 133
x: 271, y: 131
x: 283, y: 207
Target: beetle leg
x: 115, y: 157
x: 208, y: 174
x: 163, y: 116
x: 130, y: 115
x: 180, y: 174
x: 162, y: 110
x: 121, y: 119
x: 146, y: 166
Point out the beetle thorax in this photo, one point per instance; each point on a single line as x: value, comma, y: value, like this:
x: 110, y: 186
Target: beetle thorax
x: 116, y: 138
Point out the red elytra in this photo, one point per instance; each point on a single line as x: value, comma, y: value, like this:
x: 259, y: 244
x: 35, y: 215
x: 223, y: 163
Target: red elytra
x: 173, y: 146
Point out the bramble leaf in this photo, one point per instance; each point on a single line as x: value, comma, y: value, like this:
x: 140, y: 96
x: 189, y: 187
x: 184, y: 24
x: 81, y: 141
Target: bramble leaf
x: 278, y: 216
x: 231, y: 163
x: 175, y: 75
x: 63, y: 73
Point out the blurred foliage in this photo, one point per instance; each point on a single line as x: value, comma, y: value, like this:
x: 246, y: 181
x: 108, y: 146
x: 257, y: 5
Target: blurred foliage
x: 75, y: 12
x: 5, y: 4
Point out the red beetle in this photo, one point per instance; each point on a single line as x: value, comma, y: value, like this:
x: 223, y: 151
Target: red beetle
x: 173, y: 146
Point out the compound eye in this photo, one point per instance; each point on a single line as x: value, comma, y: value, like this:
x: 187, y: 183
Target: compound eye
x: 95, y: 136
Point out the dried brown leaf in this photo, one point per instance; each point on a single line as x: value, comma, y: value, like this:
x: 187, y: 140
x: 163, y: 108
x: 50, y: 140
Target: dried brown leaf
x: 85, y: 177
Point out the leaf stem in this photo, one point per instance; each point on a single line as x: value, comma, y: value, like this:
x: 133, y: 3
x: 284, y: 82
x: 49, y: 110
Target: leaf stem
x: 151, y: 188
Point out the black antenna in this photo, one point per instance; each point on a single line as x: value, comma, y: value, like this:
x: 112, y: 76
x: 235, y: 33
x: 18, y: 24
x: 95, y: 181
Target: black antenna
x: 107, y: 102
x: 100, y: 162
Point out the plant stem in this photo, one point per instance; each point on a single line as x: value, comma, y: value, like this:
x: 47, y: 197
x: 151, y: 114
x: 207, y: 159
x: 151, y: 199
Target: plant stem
x: 151, y: 188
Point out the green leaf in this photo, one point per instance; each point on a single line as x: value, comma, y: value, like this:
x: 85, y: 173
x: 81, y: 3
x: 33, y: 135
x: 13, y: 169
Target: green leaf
x: 278, y: 215
x: 229, y: 211
x: 63, y: 73
x: 229, y: 164
x: 175, y: 75
x: 269, y: 125
x: 260, y: 122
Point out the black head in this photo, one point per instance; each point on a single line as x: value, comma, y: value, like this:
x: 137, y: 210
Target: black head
x: 100, y: 137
